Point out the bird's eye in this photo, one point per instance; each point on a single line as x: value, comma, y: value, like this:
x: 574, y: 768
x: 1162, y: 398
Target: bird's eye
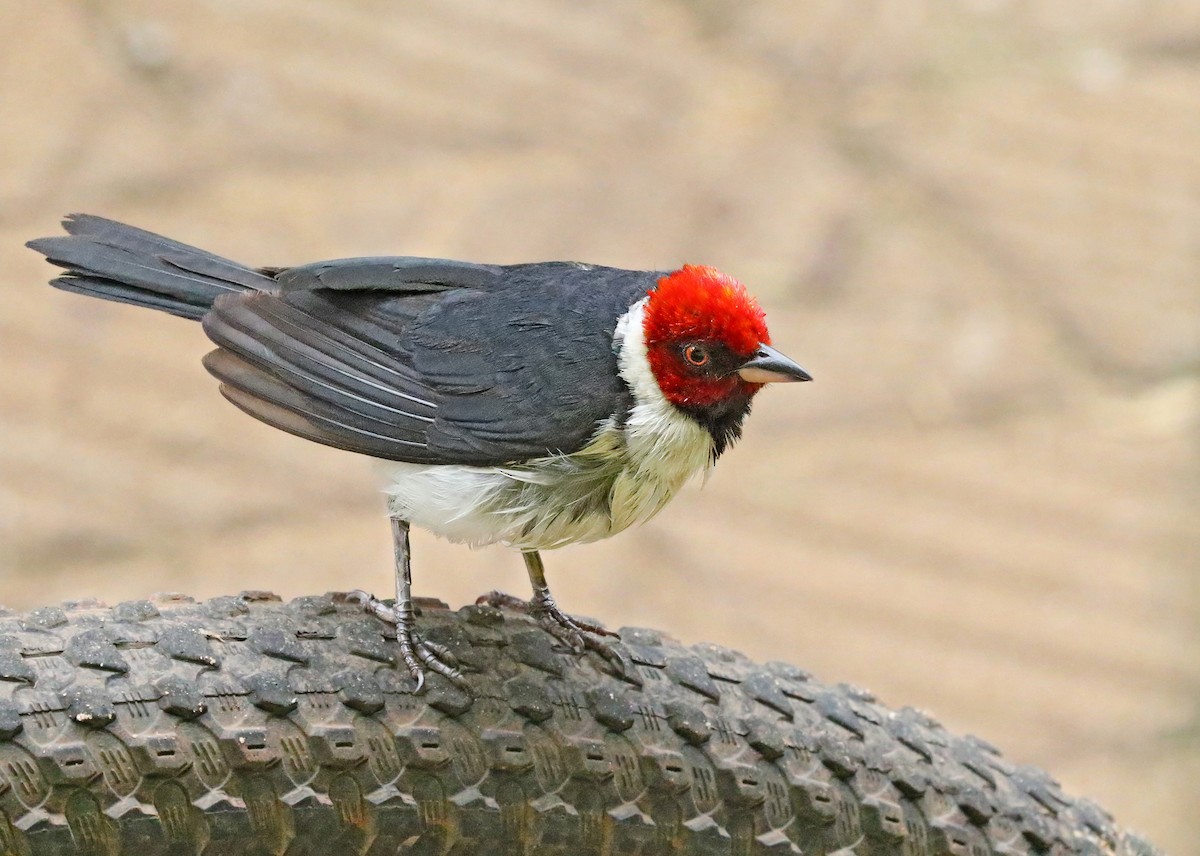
x: 695, y: 355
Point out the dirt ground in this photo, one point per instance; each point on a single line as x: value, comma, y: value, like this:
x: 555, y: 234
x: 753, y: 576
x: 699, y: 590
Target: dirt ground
x: 976, y: 221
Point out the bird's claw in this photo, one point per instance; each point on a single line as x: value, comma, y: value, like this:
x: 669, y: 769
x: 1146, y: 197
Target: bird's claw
x: 417, y: 653
x: 536, y: 607
x: 578, y: 635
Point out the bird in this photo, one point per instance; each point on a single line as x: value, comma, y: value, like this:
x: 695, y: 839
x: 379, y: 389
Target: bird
x: 532, y: 405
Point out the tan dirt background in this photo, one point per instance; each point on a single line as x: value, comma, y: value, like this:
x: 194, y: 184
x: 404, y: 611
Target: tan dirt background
x: 977, y: 222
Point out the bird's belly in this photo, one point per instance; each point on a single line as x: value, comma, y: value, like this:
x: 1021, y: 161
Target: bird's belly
x: 523, y: 508
x: 533, y: 506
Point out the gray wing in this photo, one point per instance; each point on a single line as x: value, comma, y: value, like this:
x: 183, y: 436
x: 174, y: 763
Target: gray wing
x: 470, y: 364
x: 397, y: 274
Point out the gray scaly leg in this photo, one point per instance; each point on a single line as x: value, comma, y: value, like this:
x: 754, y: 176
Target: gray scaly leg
x: 576, y: 634
x: 415, y: 651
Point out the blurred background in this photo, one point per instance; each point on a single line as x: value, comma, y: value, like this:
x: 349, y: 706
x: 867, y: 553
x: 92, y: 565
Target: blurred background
x: 976, y: 221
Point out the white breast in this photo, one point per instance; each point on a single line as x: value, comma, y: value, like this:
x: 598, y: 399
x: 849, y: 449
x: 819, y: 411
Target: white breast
x: 622, y: 477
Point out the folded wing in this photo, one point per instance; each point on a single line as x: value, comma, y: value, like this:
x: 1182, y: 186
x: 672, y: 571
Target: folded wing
x: 465, y: 364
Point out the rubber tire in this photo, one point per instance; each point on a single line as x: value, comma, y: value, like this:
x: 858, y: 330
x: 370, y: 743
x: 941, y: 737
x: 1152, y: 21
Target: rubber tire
x: 244, y: 725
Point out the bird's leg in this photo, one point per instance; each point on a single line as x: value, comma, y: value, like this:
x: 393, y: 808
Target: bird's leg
x: 579, y: 635
x: 415, y: 651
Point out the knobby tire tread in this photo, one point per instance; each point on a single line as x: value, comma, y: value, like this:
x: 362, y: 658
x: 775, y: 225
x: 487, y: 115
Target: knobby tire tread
x: 246, y: 725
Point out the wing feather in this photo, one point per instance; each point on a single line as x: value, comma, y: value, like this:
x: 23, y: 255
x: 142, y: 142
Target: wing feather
x: 273, y: 402
x: 522, y: 368
x: 338, y: 365
x: 344, y: 341
x: 408, y: 274
x: 260, y: 330
x: 297, y: 417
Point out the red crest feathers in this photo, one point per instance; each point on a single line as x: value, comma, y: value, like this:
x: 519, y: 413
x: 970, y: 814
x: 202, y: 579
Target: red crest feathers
x: 697, y: 302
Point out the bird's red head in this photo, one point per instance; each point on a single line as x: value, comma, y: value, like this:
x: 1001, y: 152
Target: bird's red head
x: 709, y: 350
x: 700, y: 327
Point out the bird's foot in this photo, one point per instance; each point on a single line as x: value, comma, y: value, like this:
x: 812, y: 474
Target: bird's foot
x: 576, y: 634
x: 418, y: 654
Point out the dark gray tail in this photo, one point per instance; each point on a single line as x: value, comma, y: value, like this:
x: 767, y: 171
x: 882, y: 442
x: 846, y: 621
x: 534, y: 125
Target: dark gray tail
x: 107, y: 259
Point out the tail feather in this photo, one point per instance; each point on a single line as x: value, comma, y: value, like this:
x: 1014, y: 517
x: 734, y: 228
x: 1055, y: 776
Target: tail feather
x: 107, y: 259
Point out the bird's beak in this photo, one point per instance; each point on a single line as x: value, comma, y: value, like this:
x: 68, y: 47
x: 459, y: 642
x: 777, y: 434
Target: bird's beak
x: 770, y: 366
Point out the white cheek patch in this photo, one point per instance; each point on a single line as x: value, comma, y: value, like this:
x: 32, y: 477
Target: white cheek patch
x: 630, y: 340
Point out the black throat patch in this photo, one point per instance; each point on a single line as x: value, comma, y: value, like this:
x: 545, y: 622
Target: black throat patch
x: 723, y: 421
